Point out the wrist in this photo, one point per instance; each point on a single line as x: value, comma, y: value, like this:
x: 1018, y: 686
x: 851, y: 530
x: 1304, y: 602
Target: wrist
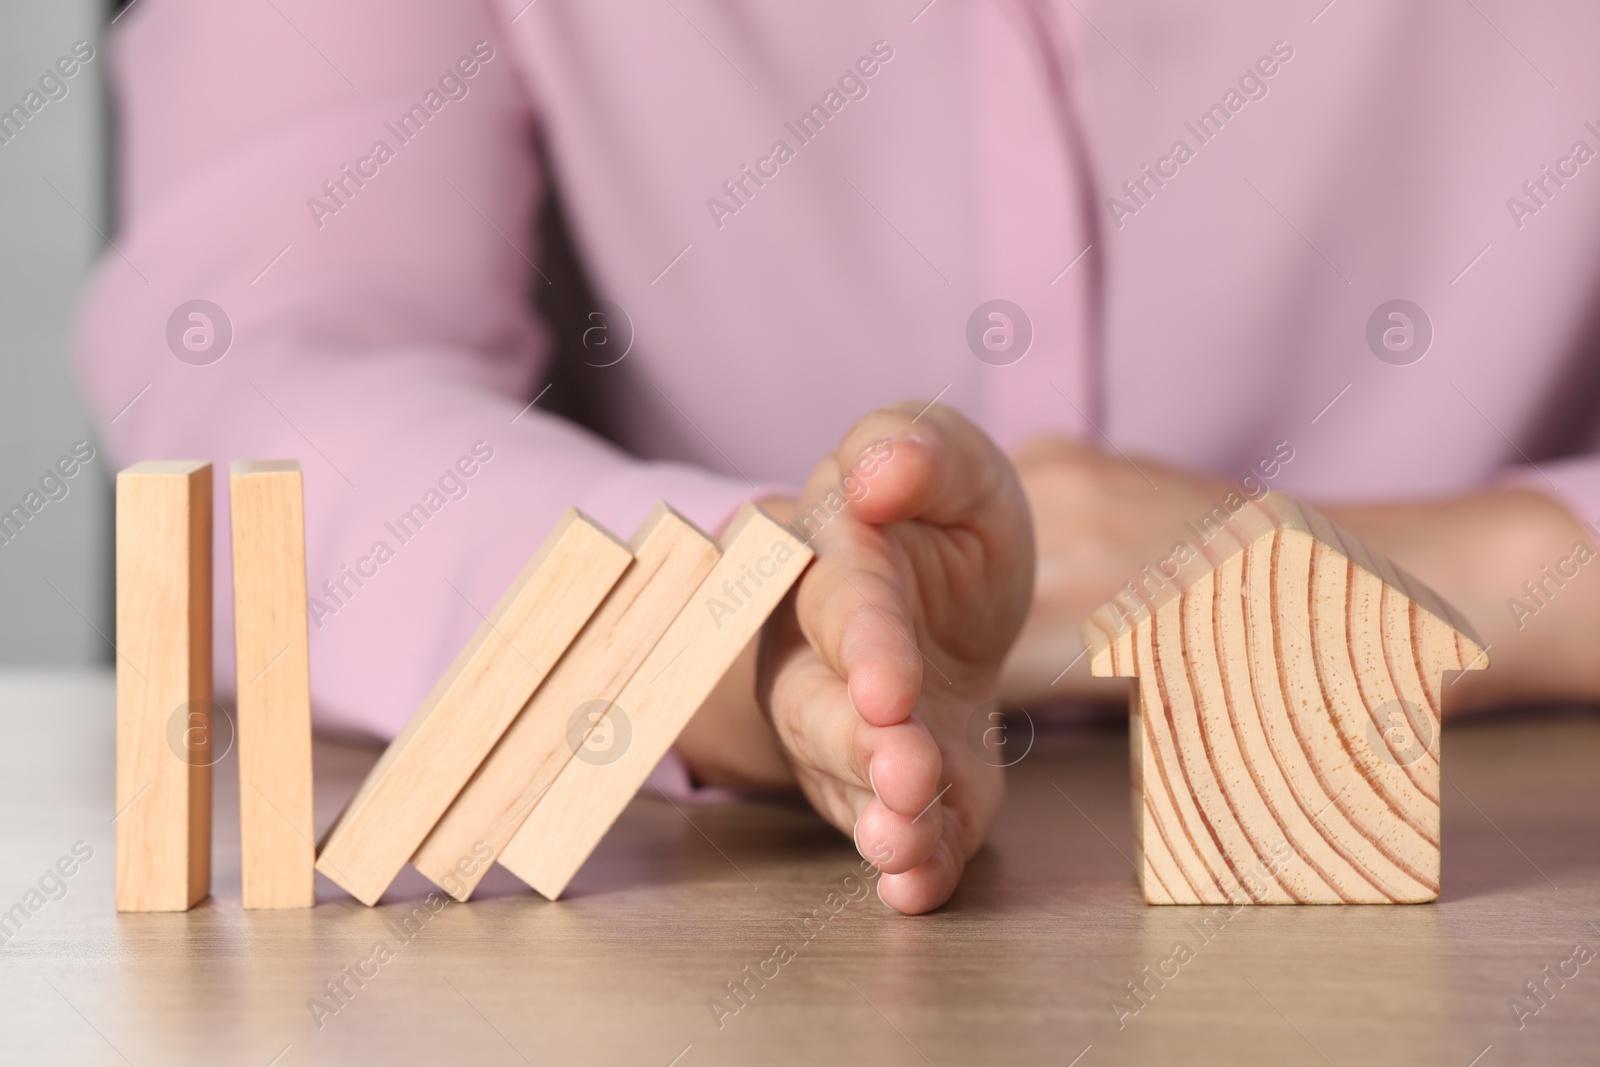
x: 730, y: 741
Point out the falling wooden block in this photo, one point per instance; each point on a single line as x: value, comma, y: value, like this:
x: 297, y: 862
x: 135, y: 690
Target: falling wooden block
x: 491, y: 679
x: 761, y: 560
x: 671, y: 558
x: 1285, y: 718
x: 276, y: 820
x: 164, y: 709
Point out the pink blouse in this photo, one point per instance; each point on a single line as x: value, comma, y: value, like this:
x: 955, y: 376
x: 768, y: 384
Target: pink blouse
x: 1182, y: 229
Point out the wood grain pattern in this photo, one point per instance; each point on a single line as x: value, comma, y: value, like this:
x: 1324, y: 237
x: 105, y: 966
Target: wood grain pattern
x: 761, y: 559
x: 164, y: 709
x: 1286, y: 715
x: 671, y: 558
x: 509, y: 656
x: 1043, y: 935
x: 266, y: 504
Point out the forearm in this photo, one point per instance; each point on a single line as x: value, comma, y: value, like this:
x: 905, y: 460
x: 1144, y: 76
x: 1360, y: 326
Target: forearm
x: 1521, y: 568
x: 1515, y: 561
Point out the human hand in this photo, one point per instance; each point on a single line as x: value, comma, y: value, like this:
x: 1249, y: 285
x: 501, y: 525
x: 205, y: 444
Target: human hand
x: 1520, y: 567
x: 1104, y: 520
x: 1100, y: 520
x: 874, y: 663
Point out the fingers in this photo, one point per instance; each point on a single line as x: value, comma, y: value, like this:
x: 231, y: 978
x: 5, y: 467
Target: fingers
x: 922, y: 462
x: 858, y: 604
x: 876, y: 782
x: 893, y: 841
x: 882, y: 784
x: 854, y: 608
x: 935, y: 550
x: 899, y: 764
x: 929, y: 884
x: 924, y: 549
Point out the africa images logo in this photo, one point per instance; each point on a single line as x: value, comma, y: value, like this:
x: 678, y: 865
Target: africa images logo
x: 1399, y: 332
x: 199, y: 332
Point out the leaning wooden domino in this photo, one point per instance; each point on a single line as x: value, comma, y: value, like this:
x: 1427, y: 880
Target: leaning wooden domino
x: 671, y: 558
x: 761, y: 559
x: 164, y: 710
x: 276, y: 818
x: 510, y: 655
x: 1285, y: 719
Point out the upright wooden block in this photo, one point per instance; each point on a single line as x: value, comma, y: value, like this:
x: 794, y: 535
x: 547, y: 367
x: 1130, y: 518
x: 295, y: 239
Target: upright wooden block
x: 761, y: 559
x: 164, y: 710
x: 510, y: 655
x: 276, y: 821
x: 671, y: 558
x: 1285, y: 725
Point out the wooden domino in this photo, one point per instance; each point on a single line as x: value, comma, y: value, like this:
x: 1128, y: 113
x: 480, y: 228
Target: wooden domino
x: 424, y: 768
x: 1285, y: 715
x: 671, y: 558
x: 164, y: 709
x: 276, y: 818
x: 761, y: 560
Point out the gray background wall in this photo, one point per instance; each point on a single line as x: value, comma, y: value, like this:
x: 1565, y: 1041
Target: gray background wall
x: 46, y: 249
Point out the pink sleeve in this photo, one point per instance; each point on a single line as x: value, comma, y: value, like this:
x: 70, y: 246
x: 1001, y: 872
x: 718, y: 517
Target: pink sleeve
x: 385, y: 338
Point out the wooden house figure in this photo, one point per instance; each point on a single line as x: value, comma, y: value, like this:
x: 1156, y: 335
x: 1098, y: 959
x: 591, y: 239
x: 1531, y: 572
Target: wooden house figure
x: 1285, y: 713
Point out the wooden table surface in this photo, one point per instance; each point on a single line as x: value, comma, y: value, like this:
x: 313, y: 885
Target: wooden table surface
x: 1022, y: 967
